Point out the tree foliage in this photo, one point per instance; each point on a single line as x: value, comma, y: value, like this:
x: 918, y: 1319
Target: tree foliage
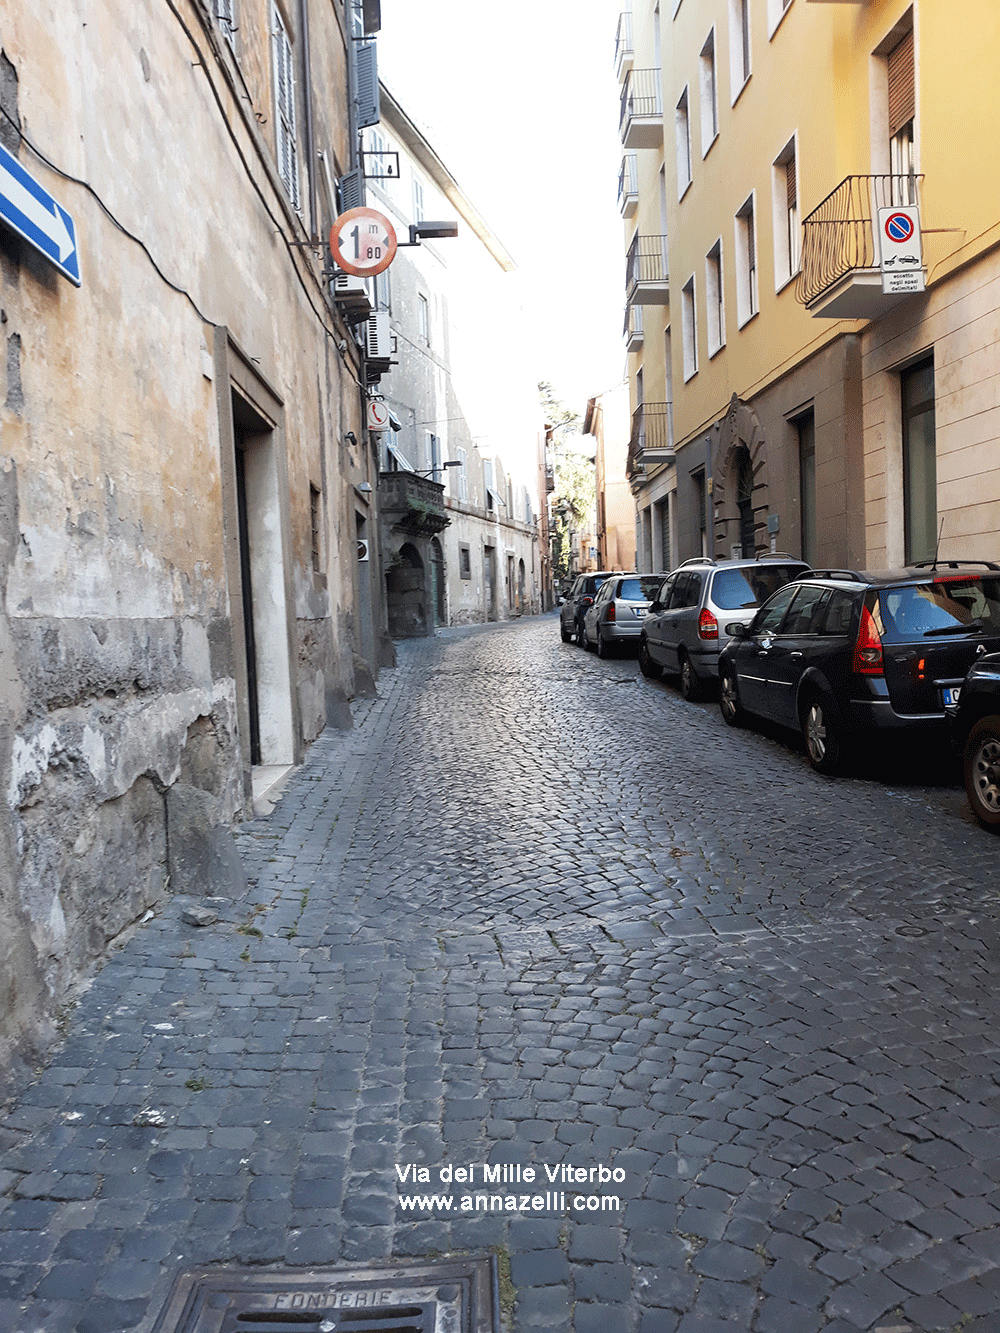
x: 575, y: 480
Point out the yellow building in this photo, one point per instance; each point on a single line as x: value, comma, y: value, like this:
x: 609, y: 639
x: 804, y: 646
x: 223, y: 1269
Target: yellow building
x: 833, y: 391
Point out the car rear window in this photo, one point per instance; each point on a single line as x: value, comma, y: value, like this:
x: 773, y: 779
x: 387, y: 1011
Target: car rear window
x: 639, y: 590
x: 944, y: 606
x: 744, y: 589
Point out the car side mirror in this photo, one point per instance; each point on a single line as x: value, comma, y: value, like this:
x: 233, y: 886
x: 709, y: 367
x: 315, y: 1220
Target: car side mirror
x: 737, y: 630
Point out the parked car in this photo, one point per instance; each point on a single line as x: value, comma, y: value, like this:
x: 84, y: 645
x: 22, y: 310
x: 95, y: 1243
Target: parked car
x: 580, y: 596
x: 844, y: 654
x: 619, y: 609
x: 685, y: 627
x: 975, y: 724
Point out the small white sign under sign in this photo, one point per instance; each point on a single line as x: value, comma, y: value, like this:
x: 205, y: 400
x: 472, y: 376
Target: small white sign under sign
x: 900, y: 250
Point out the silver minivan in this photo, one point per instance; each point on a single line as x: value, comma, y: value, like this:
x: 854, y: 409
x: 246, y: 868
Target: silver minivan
x: 685, y: 626
x: 619, y: 610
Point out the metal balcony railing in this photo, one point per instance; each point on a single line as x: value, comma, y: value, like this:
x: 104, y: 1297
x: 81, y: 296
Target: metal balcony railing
x: 633, y: 323
x: 646, y: 262
x: 628, y: 180
x: 623, y: 39
x: 641, y: 96
x: 652, y: 428
x: 838, y: 236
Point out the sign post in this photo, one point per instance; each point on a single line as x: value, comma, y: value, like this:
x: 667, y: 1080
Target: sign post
x: 28, y: 209
x: 901, y: 256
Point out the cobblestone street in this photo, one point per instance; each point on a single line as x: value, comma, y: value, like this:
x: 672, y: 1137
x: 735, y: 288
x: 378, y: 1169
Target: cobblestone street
x: 535, y: 909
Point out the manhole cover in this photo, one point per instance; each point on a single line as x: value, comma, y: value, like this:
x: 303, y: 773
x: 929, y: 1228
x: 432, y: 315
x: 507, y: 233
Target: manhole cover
x: 450, y: 1296
x: 912, y: 932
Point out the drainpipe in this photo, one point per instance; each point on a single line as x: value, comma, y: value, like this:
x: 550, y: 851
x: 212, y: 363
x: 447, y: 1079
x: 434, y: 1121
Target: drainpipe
x: 306, y: 75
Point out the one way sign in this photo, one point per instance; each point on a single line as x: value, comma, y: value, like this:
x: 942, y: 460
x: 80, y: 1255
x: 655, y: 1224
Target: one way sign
x: 31, y: 211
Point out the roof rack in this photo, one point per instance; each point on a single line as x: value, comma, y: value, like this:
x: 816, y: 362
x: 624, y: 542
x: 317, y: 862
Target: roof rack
x: 697, y: 560
x: 776, y: 555
x: 851, y: 575
x: 952, y: 564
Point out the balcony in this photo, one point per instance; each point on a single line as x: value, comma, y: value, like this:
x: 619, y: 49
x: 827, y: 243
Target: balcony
x: 412, y: 504
x: 840, y: 277
x: 646, y: 280
x: 652, y: 433
x: 628, y: 186
x: 641, y: 120
x: 624, y: 51
x: 633, y: 328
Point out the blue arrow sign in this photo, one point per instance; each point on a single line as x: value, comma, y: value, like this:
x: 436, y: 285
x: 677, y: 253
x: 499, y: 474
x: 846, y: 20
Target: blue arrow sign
x: 32, y: 212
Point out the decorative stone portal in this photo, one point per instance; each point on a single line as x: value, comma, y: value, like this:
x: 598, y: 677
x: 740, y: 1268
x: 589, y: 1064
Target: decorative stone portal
x: 740, y: 483
x: 406, y: 594
x: 445, y: 1296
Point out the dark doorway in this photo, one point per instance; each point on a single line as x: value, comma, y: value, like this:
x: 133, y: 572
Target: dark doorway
x: 437, y: 573
x: 242, y: 440
x: 744, y: 501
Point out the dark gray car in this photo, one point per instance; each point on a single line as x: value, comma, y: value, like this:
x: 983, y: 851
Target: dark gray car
x: 579, y: 598
x: 685, y: 626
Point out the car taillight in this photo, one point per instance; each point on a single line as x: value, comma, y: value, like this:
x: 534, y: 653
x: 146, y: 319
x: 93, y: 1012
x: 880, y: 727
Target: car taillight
x: 868, y: 648
x: 610, y: 613
x: 586, y: 601
x: 708, y: 626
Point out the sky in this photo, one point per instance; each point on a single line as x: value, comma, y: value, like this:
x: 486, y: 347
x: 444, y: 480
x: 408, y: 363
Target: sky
x: 521, y: 105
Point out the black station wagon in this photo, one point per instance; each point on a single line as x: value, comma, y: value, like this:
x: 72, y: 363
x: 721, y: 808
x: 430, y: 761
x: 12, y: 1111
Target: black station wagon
x: 842, y: 654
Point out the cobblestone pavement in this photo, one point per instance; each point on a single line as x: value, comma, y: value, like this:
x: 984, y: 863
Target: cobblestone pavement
x: 536, y: 910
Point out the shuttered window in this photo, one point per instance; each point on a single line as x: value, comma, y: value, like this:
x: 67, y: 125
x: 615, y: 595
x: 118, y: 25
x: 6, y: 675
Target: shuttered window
x: 284, y: 98
x: 901, y: 89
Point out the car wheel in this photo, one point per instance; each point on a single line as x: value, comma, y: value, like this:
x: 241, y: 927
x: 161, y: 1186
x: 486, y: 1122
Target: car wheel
x: 729, y: 699
x: 982, y: 771
x: 646, y: 664
x: 603, y: 647
x: 690, y: 684
x: 821, y: 733
x: 564, y: 634
x: 581, y: 635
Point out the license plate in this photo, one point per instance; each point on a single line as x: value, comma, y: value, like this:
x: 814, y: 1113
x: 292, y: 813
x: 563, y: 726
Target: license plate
x: 950, y: 694
x: 639, y: 611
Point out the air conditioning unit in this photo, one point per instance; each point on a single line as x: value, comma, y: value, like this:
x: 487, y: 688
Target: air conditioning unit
x: 351, y: 294
x: 378, y: 342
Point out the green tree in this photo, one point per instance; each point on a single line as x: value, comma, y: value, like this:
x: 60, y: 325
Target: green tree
x: 573, y: 465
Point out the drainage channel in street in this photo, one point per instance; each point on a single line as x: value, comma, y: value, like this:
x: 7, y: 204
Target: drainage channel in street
x: 441, y: 1296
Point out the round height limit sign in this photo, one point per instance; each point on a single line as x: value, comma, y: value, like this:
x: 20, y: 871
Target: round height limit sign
x: 362, y: 242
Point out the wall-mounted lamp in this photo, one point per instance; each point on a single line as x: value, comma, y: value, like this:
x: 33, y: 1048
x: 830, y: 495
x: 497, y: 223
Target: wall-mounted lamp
x: 352, y: 437
x: 365, y: 488
x: 430, y: 231
x: 429, y: 471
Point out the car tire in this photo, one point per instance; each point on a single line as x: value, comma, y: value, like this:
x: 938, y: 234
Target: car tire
x: 733, y: 712
x: 564, y: 634
x: 604, y: 650
x: 982, y: 771
x: 581, y: 635
x: 646, y: 664
x: 691, y: 687
x: 821, y: 733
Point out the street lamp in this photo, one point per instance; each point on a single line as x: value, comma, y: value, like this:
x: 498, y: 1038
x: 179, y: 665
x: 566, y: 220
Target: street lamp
x: 429, y: 231
x: 429, y: 471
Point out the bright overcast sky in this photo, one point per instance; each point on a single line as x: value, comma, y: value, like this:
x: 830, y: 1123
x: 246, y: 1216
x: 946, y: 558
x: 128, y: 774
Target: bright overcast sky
x: 522, y: 107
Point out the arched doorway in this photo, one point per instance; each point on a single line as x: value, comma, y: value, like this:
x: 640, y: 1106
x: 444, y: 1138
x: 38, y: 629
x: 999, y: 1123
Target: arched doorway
x: 437, y: 580
x: 406, y: 596
x: 520, y: 587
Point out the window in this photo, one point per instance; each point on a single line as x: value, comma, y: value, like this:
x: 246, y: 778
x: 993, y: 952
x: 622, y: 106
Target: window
x: 461, y: 476
x: 714, y: 307
x: 488, y: 482
x: 284, y: 105
x: 902, y: 110
x: 709, y: 95
x: 747, y: 301
x: 785, y: 199
x: 423, y: 319
x: 682, y: 129
x: 739, y: 45
x: 434, y: 457
x: 770, y: 617
x: 225, y: 14
x: 919, y: 462
x: 807, y: 611
x: 418, y: 199
x: 805, y: 427
x: 701, y: 507
x: 316, y: 527
x: 775, y: 13
x: 383, y: 292
x: 464, y: 560
x: 689, y: 331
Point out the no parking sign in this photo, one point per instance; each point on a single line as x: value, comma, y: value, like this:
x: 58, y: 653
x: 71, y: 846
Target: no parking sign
x: 900, y: 250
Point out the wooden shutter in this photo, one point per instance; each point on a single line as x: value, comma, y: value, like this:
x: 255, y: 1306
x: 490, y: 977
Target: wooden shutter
x: 368, y: 95
x: 791, y: 186
x: 901, y: 92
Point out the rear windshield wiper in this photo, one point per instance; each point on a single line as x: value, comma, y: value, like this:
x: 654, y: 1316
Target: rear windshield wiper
x: 973, y: 627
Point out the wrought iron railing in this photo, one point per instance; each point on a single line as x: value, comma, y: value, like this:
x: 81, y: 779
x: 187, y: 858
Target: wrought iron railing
x: 652, y: 428
x: 641, y: 95
x: 839, y: 235
x: 646, y: 261
x: 623, y: 38
x: 628, y: 178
